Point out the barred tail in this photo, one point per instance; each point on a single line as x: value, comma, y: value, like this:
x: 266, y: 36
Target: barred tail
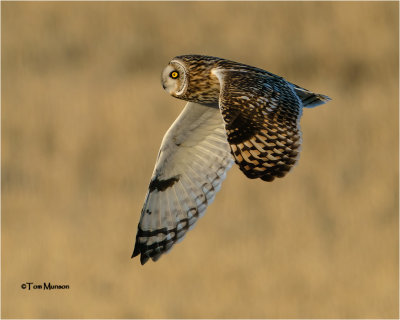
x: 310, y: 99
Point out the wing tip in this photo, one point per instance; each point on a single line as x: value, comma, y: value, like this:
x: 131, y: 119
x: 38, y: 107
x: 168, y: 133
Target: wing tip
x: 138, y: 251
x: 143, y: 257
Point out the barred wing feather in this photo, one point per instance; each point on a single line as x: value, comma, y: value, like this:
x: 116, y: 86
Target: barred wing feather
x: 261, y: 115
x: 191, y: 165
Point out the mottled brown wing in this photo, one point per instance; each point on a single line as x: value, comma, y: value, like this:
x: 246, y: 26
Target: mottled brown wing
x: 261, y: 115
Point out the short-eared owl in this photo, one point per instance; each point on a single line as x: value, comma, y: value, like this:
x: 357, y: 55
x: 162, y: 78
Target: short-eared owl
x: 235, y: 113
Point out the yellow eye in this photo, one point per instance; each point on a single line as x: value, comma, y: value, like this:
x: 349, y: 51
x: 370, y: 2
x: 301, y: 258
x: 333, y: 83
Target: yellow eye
x: 174, y: 74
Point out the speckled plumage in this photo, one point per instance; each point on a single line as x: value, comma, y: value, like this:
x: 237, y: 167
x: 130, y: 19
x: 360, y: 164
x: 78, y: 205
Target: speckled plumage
x: 235, y: 113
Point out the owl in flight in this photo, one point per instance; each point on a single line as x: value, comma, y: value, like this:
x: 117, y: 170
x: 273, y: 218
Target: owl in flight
x: 234, y: 113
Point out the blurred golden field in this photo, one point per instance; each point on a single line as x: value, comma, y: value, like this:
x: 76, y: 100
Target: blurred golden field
x: 83, y: 115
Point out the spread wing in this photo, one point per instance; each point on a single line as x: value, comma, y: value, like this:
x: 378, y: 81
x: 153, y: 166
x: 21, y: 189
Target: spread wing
x: 191, y: 165
x: 261, y: 114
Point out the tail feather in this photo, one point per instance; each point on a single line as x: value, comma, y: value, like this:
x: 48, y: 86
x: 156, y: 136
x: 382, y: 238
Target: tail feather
x: 310, y: 99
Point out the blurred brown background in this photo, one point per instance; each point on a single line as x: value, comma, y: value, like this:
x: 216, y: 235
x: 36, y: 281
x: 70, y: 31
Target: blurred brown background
x: 83, y: 115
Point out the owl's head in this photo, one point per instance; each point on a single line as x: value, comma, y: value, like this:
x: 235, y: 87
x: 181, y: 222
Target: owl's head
x: 190, y: 78
x: 174, y: 78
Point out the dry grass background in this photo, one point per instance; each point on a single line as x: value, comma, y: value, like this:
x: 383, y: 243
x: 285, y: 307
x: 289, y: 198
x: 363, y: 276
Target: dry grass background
x: 83, y: 115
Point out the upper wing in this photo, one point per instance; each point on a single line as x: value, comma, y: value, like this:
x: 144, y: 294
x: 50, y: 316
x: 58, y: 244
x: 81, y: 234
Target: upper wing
x: 261, y: 114
x: 191, y: 165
